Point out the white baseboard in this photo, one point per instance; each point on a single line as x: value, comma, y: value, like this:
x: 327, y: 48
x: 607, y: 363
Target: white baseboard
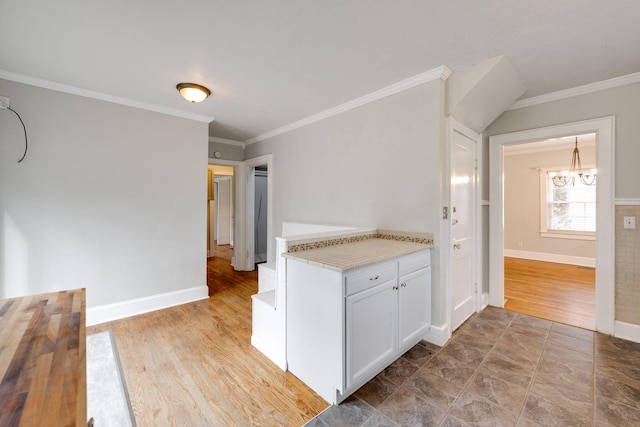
x: 281, y: 362
x: 119, y: 310
x: 484, y: 301
x: 627, y: 331
x: 438, y: 335
x: 561, y: 259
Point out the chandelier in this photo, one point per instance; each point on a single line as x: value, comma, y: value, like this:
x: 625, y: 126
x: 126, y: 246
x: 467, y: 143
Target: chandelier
x: 569, y: 177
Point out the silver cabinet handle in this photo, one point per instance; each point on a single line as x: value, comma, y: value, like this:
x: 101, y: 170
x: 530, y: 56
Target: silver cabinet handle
x: 457, y: 246
x: 395, y: 288
x: 404, y: 285
x: 374, y: 278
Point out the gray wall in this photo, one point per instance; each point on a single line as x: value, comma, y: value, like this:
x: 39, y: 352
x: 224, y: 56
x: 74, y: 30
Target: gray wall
x: 109, y: 197
x: 522, y: 202
x: 227, y: 151
x: 622, y: 102
x: 377, y: 165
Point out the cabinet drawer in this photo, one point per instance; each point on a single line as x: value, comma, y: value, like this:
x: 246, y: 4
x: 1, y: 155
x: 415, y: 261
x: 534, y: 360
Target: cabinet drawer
x: 370, y: 276
x: 413, y: 262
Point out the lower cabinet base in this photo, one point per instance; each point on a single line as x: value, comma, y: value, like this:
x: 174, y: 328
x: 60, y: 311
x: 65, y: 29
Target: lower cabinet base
x: 344, y: 328
x: 340, y: 397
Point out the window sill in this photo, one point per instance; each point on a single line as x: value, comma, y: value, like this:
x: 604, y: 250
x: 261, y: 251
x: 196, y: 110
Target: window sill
x: 568, y: 235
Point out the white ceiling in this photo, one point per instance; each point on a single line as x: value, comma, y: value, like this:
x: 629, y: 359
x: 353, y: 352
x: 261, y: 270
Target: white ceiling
x: 271, y: 63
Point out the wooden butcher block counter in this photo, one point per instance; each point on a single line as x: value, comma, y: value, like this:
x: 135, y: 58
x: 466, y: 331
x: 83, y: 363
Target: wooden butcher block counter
x: 42, y: 360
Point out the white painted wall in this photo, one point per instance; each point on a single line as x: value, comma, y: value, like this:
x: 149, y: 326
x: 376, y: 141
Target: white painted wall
x: 378, y: 165
x: 109, y: 197
x: 522, y: 202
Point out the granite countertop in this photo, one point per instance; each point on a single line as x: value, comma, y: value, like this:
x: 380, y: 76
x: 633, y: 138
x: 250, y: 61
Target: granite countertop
x: 358, y: 254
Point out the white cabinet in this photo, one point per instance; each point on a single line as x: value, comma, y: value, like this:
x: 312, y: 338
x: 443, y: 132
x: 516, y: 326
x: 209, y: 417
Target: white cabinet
x: 374, y: 309
x: 413, y: 296
x: 344, y: 328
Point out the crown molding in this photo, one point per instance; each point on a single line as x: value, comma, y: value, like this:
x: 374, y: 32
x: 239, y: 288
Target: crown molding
x: 73, y: 90
x: 226, y: 141
x: 576, y: 91
x: 443, y: 72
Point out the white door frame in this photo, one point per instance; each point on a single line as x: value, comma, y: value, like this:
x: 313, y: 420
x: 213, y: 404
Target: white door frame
x: 249, y: 205
x: 605, y: 210
x: 238, y: 210
x: 456, y: 126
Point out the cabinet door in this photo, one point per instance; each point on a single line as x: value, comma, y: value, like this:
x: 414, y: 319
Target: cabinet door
x: 414, y: 307
x: 371, y: 317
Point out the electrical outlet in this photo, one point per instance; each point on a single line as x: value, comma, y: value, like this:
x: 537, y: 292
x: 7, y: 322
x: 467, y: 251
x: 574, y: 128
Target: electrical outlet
x: 4, y: 102
x: 630, y: 222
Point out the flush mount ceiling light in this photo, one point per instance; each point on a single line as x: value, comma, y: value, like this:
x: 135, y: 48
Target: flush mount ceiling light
x: 193, y: 92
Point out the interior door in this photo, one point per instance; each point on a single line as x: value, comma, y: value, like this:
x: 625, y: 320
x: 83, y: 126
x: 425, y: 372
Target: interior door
x: 224, y: 211
x: 463, y: 195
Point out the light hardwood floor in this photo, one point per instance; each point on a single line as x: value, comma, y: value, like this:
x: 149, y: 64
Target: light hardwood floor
x: 559, y: 292
x: 193, y: 364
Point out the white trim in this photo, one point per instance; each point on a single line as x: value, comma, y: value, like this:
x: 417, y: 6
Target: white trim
x: 250, y: 165
x: 627, y: 331
x: 485, y: 300
x: 438, y: 335
x: 122, y: 309
x: 60, y: 87
x: 568, y: 235
x: 558, y: 258
x: 605, y: 234
x: 576, y: 91
x: 266, y: 349
x: 442, y: 73
x: 566, y: 143
x: 627, y: 202
x: 226, y: 141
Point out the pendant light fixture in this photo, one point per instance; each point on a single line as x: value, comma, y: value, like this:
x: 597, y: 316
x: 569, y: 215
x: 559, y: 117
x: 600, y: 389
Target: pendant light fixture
x: 193, y: 92
x: 569, y: 177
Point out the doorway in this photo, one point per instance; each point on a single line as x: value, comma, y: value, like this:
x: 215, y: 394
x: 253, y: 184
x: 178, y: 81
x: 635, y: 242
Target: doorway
x: 260, y: 243
x: 605, y: 273
x: 260, y: 220
x: 549, y: 230
x: 220, y: 212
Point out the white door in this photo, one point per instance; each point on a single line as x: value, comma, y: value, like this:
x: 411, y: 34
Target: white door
x: 463, y: 220
x: 224, y: 211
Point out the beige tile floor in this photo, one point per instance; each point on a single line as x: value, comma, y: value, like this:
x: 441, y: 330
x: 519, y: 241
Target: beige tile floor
x: 503, y: 369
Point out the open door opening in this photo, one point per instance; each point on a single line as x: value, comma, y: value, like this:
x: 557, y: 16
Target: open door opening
x: 550, y: 230
x: 261, y: 197
x: 604, y: 250
x: 220, y: 225
x: 259, y: 237
x: 220, y: 212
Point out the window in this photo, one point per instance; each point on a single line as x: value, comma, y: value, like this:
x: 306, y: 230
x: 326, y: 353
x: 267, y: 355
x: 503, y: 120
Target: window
x: 568, y: 211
